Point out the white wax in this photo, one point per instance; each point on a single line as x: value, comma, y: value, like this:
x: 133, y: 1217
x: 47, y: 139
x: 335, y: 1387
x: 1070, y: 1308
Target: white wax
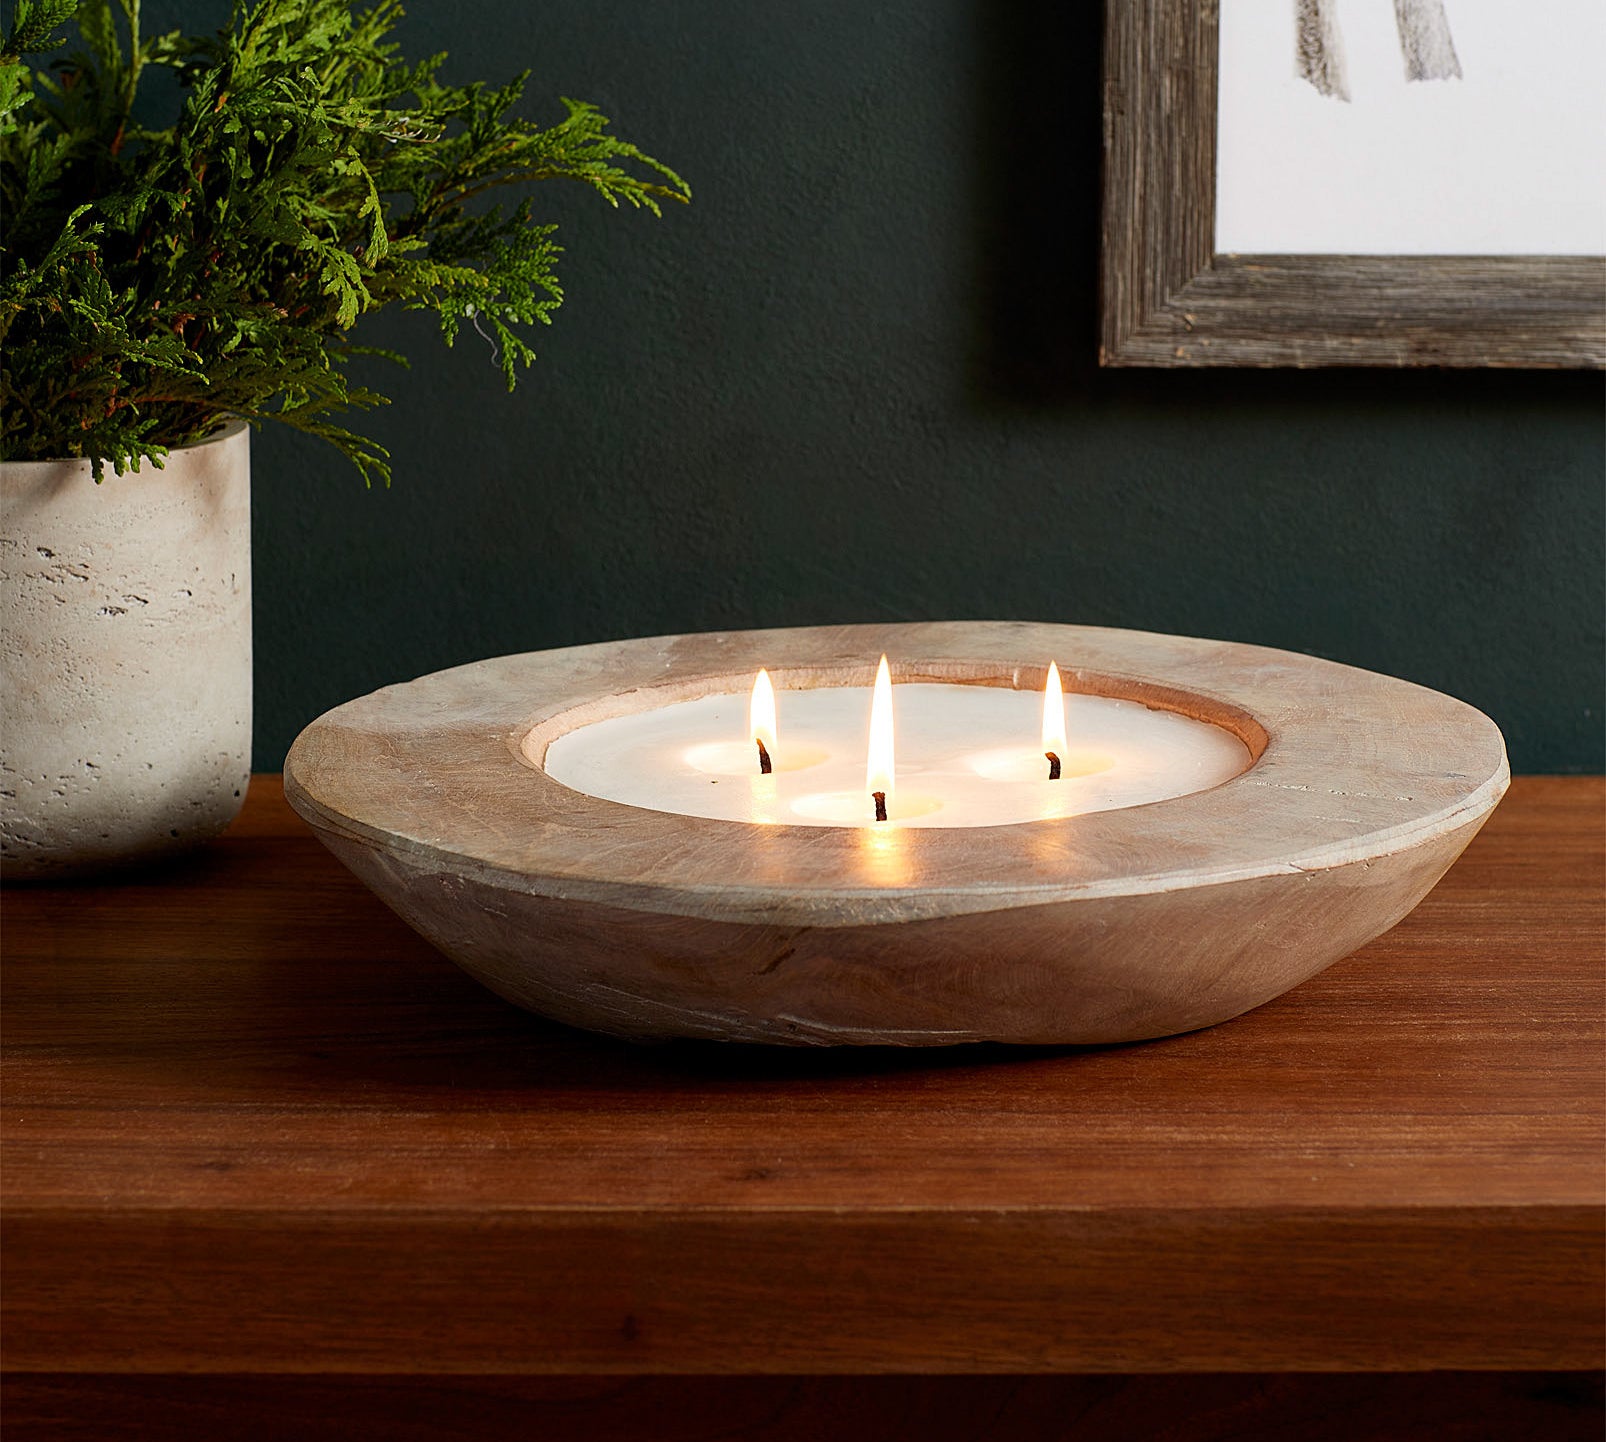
x: 966, y: 756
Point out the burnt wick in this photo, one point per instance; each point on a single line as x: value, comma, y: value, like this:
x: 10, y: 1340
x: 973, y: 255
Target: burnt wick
x: 880, y: 805
x: 1053, y: 766
x: 763, y: 758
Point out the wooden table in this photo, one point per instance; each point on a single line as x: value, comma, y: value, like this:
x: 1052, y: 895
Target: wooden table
x: 254, y: 1127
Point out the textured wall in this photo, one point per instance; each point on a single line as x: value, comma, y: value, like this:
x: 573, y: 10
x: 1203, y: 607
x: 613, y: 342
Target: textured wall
x: 855, y: 380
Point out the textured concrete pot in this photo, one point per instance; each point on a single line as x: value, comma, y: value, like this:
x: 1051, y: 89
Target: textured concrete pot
x: 125, y: 657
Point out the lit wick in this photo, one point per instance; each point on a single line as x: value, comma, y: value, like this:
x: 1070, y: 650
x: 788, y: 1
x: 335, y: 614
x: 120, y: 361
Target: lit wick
x: 1053, y: 721
x: 761, y: 720
x: 878, y: 768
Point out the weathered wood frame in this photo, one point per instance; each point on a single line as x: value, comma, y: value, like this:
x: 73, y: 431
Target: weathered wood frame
x: 1170, y: 300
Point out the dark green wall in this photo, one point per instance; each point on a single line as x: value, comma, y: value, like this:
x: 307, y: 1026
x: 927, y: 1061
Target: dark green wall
x: 855, y: 380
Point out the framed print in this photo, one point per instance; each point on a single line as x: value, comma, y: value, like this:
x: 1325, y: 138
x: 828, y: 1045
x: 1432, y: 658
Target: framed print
x: 1354, y: 182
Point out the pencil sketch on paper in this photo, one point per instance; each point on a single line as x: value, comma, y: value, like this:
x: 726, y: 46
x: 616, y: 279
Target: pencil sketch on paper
x: 1425, y: 43
x: 1495, y: 158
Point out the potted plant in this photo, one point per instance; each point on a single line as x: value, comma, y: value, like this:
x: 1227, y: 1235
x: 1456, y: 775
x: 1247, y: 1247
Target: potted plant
x: 162, y: 290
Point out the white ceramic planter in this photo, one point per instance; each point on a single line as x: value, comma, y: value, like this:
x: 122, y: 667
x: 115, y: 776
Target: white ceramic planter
x: 125, y: 657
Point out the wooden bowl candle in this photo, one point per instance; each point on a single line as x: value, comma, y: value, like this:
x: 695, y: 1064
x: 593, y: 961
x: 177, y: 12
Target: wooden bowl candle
x: 1228, y: 821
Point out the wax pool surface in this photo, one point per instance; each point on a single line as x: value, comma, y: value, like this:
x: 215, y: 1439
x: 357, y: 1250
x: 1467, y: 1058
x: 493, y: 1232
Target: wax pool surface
x: 966, y: 756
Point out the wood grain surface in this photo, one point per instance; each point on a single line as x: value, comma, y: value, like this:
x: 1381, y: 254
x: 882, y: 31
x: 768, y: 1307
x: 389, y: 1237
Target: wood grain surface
x: 253, y: 1124
x: 1170, y: 300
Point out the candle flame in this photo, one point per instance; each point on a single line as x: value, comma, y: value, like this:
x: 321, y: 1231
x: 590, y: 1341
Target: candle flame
x: 878, y: 771
x: 761, y: 713
x: 1054, y: 713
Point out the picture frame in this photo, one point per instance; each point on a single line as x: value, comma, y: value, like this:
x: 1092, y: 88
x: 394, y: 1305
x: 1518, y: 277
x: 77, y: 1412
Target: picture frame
x: 1169, y: 299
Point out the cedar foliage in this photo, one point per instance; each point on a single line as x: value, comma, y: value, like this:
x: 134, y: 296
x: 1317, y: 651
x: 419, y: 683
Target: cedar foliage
x: 156, y: 281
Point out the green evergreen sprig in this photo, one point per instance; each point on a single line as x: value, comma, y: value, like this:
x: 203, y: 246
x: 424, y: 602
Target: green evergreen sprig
x: 155, y: 281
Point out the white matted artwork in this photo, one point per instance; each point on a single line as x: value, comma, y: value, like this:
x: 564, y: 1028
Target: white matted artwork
x: 1411, y: 127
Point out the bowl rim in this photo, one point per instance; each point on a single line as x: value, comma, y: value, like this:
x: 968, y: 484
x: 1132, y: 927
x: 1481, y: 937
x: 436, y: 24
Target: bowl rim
x: 444, y: 773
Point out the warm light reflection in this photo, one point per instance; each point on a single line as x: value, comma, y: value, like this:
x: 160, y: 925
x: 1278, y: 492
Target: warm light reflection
x: 885, y: 852
x: 1054, y: 713
x: 761, y: 713
x: 765, y: 799
x: 878, y: 771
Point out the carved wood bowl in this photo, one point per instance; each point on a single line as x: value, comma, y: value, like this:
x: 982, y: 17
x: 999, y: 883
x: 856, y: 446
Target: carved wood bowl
x: 1103, y: 927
